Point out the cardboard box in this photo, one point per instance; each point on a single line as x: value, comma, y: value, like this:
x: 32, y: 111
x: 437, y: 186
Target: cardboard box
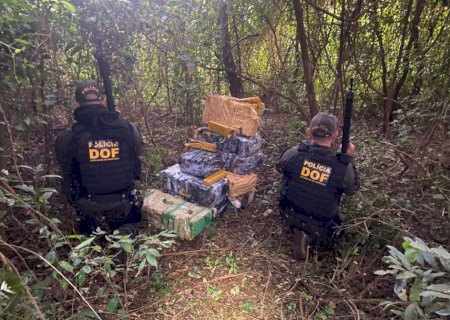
x: 243, y: 115
x: 165, y: 211
x: 239, y: 185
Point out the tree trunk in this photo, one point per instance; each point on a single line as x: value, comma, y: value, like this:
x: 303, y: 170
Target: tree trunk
x: 414, y: 35
x: 236, y: 88
x: 307, y: 68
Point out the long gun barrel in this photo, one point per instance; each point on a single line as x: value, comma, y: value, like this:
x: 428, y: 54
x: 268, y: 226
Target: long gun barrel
x: 347, y: 117
x: 104, y: 72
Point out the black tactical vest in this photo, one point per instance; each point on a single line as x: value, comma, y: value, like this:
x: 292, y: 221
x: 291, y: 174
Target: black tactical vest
x: 106, y: 159
x: 315, y: 182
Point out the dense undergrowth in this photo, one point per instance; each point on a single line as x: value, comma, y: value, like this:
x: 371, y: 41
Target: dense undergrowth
x: 50, y: 272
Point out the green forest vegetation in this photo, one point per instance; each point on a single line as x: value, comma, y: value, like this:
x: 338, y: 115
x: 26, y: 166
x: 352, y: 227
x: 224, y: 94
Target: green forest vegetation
x: 165, y: 56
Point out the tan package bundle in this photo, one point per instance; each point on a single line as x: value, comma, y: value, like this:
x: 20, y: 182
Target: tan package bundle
x: 165, y: 211
x: 241, y: 184
x: 243, y: 115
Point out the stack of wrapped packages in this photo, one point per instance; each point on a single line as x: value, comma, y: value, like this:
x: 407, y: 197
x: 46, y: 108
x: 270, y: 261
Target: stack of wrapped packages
x: 215, y: 172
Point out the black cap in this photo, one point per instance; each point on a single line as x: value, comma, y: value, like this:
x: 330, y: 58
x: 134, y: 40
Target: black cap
x: 87, y: 92
x: 323, y: 125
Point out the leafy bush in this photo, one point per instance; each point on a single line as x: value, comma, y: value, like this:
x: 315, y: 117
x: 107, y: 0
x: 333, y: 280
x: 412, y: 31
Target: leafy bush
x: 100, y: 256
x: 422, y: 279
x: 97, y: 268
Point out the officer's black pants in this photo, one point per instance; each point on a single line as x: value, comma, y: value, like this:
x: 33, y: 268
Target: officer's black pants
x: 118, y: 210
x: 322, y: 231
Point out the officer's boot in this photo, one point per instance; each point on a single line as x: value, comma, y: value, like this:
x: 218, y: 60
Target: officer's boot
x: 301, y: 244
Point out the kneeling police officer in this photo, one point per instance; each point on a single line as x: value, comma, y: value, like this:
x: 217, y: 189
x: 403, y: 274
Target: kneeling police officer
x: 314, y: 179
x: 99, y: 159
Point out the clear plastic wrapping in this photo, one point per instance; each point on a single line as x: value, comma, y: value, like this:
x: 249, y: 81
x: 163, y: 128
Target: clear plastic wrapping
x: 242, y: 165
x: 241, y: 145
x: 201, y: 163
x: 175, y: 182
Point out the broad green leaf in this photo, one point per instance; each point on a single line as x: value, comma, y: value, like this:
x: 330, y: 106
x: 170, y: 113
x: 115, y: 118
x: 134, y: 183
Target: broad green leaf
x: 154, y: 252
x: 416, y: 289
x: 126, y: 246
x: 151, y: 260
x: 406, y: 244
x: 66, y: 266
x: 411, y: 254
x: 24, y: 187
x: 85, y: 243
x: 87, y: 269
x: 411, y: 312
x: 100, y: 292
x: 402, y: 296
x: 142, y: 264
x: 69, y: 6
x: 81, y: 277
x: 329, y: 310
x: 385, y: 272
x: 112, y: 305
x: 19, y: 127
x: 441, y: 252
x: 51, y: 256
x: 406, y: 275
x: 122, y: 313
x: 168, y: 234
x: 435, y: 294
x: 21, y: 41
x: 444, y: 288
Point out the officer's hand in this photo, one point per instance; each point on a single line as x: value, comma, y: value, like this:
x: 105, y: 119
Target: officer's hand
x: 351, y: 149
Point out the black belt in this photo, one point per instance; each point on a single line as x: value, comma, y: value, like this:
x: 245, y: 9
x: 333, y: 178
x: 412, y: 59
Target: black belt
x: 108, y: 197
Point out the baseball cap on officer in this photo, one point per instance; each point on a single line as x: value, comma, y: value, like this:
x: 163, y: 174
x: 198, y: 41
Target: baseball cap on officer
x: 87, y: 92
x: 323, y: 125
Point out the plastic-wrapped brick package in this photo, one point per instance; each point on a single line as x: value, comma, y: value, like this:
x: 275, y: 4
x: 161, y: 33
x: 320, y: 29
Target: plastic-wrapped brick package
x: 174, y: 181
x: 201, y: 163
x: 241, y: 145
x: 244, y: 146
x: 165, y: 211
x: 242, y: 165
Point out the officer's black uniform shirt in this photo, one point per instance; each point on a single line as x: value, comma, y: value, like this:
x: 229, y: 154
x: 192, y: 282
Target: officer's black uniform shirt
x: 92, y: 118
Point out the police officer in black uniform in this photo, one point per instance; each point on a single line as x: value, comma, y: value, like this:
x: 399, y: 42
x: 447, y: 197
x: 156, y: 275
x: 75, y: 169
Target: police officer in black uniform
x: 99, y: 159
x: 314, y: 179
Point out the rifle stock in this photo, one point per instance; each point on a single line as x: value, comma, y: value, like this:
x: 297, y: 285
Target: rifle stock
x: 347, y: 117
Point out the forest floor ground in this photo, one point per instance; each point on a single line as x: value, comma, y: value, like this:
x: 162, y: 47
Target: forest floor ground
x: 242, y: 267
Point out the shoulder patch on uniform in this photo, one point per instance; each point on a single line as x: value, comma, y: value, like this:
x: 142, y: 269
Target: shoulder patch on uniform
x: 103, y: 150
x: 315, y: 172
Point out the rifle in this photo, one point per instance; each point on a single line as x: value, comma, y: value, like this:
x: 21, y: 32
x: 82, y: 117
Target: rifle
x: 104, y: 72
x: 347, y: 117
